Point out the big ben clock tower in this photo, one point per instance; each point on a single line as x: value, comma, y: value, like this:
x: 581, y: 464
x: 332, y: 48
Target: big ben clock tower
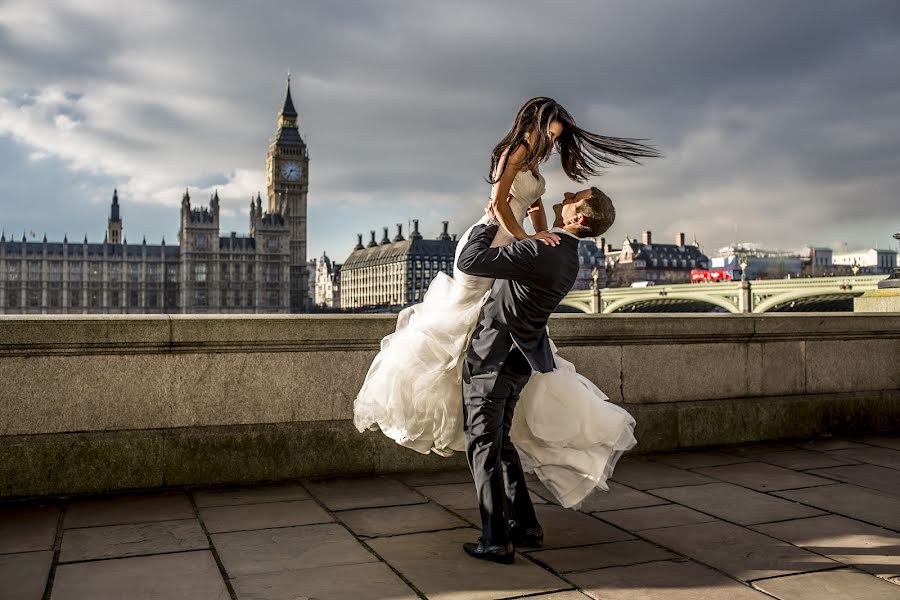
x: 287, y: 184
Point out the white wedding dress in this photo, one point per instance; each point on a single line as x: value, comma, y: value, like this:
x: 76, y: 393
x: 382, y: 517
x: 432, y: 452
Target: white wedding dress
x: 564, y: 428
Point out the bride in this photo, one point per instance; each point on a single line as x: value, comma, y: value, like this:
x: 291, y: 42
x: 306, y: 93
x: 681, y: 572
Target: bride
x: 564, y: 428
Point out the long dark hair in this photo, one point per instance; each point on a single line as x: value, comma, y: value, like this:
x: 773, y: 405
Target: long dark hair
x: 583, y: 154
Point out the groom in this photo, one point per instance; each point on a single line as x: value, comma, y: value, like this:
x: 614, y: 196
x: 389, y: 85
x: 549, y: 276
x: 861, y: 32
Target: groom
x: 509, y: 341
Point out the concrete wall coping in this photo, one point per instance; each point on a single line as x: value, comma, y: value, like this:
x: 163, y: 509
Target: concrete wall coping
x: 90, y: 334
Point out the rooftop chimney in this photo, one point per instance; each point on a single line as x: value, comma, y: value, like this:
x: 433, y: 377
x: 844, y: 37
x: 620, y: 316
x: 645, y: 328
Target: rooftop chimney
x: 385, y: 239
x: 646, y: 239
x: 399, y: 236
x: 601, y: 243
x: 415, y: 235
x: 359, y: 244
x: 608, y: 249
x: 372, y: 243
x: 445, y: 236
x: 679, y: 240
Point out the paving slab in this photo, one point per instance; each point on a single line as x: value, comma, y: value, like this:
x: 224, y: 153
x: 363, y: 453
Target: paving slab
x: 436, y: 564
x: 568, y: 595
x: 132, y: 508
x: 669, y: 580
x: 365, y: 581
x: 288, y: 548
x: 885, y: 441
x: 600, y: 556
x: 763, y: 477
x: 618, y: 496
x: 181, y: 576
x: 736, y: 504
x: 455, y: 496
x: 644, y: 475
x: 24, y: 528
x: 884, y: 457
x: 840, y: 584
x: 398, y: 520
x: 824, y: 445
x: 653, y: 517
x: 756, y: 448
x: 685, y: 459
x: 800, y: 460
x: 117, y: 541
x: 564, y: 527
x: 852, y: 501
x: 739, y: 552
x: 367, y: 492
x: 851, y: 542
x: 243, y: 517
x: 250, y: 495
x: 441, y: 477
x: 870, y: 476
x: 24, y: 576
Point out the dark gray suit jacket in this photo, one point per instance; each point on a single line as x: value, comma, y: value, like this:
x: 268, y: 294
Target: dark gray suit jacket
x: 531, y: 280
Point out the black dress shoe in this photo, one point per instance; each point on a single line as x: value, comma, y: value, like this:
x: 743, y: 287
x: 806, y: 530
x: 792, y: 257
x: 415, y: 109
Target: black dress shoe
x: 526, y: 537
x: 500, y: 553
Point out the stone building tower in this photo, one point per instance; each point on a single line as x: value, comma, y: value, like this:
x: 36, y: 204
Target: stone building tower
x: 287, y: 177
x: 198, y: 237
x: 114, y: 226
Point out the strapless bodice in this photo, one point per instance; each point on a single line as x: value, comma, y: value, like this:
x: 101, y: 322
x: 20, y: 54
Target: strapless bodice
x: 527, y: 188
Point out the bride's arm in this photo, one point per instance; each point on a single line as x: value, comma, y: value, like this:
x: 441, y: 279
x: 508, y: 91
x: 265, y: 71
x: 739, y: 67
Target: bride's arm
x: 538, y: 216
x: 500, y: 197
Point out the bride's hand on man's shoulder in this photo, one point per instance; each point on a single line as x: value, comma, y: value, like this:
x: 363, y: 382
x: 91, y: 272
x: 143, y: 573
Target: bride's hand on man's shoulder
x: 547, y: 237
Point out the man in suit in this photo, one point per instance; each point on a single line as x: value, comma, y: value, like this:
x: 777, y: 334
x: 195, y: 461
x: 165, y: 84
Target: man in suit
x: 510, y: 340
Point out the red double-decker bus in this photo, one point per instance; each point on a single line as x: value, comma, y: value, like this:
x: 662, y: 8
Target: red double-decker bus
x: 714, y: 275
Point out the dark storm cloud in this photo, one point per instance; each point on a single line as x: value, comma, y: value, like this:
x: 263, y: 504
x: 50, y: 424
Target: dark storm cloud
x: 778, y: 119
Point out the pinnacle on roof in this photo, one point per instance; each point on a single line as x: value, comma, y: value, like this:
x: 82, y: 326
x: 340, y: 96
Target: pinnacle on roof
x: 287, y: 109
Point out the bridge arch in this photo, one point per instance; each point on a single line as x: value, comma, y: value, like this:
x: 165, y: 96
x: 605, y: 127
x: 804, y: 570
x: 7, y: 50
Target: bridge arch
x: 708, y: 299
x: 774, y: 300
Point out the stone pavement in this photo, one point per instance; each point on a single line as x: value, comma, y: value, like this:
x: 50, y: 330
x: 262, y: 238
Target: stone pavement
x: 791, y: 520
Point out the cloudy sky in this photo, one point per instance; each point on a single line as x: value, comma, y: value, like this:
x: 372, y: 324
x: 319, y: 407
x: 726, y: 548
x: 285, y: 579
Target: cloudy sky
x: 780, y: 121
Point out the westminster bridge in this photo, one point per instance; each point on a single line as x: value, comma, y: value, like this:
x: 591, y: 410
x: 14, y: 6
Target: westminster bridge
x: 760, y: 296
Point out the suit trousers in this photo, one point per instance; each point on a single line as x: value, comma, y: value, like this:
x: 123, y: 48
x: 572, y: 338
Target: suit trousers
x: 489, y: 401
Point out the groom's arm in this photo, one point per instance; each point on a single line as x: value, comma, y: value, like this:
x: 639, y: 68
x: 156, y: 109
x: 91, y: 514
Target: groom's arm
x: 514, y: 261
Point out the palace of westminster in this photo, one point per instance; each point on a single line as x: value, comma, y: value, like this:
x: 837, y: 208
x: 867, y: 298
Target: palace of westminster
x: 265, y: 271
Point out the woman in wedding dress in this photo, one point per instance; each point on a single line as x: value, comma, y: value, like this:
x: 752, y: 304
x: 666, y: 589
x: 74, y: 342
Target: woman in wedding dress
x: 564, y: 428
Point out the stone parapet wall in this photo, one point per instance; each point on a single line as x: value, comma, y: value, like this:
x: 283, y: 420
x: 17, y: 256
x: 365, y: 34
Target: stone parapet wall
x: 100, y: 402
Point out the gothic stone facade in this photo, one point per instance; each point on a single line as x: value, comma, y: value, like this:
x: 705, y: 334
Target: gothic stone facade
x: 394, y: 273
x: 263, y: 272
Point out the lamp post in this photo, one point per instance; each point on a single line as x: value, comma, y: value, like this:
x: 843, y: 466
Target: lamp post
x: 854, y: 268
x: 595, y: 291
x: 743, y: 269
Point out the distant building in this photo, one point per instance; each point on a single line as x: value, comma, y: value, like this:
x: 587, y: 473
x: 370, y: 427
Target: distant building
x: 871, y: 261
x: 591, y: 256
x: 263, y: 272
x: 655, y: 262
x: 328, y: 283
x: 393, y: 273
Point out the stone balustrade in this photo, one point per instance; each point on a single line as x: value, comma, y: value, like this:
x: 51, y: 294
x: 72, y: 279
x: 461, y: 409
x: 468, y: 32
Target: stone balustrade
x: 102, y: 402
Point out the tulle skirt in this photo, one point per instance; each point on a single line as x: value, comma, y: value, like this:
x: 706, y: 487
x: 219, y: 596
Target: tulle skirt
x: 564, y: 428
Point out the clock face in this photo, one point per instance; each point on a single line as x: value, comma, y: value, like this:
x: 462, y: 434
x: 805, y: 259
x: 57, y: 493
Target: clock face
x: 291, y: 171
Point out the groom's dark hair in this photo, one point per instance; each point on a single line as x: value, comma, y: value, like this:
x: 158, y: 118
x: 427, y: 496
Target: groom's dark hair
x: 599, y: 214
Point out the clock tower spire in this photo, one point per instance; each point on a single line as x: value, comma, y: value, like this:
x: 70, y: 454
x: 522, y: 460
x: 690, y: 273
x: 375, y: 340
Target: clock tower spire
x: 287, y: 185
